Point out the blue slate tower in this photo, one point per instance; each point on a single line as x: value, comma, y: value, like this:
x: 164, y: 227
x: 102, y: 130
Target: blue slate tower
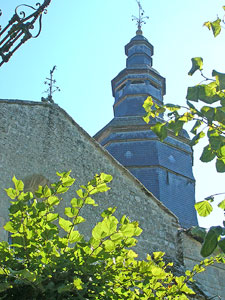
x: 164, y: 168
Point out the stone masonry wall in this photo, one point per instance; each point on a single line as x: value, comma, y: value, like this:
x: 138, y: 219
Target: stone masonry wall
x: 40, y: 139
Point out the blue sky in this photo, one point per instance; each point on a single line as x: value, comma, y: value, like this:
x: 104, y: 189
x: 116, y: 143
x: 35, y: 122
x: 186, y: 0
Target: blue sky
x: 85, y: 40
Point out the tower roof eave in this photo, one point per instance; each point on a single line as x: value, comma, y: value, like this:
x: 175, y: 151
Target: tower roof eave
x: 147, y: 70
x: 139, y: 39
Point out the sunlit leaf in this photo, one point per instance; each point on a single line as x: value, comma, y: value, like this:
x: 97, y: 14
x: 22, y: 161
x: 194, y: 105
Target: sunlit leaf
x: 216, y: 27
x: 197, y: 64
x: 160, y: 130
x: 204, y: 208
x: 66, y: 225
x: 220, y: 77
x: 222, y: 204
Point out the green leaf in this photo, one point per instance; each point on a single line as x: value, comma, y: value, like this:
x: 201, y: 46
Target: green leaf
x: 78, y: 283
x: 209, y: 113
x: 47, y: 192
x: 64, y: 224
x: 127, y: 230
x: 81, y: 193
x: 196, y: 126
x: 220, y: 115
x: 106, y: 177
x: 39, y: 192
x: 12, y: 194
x: 176, y: 126
x: 148, y: 103
x: 71, y: 212
x: 67, y: 181
x: 207, y: 24
x: 222, y: 204
x: 204, y: 208
x: 108, y: 212
x: 75, y: 236
x: 18, y: 184
x: 221, y: 244
x: 196, y: 139
x: 220, y: 77
x: 52, y: 217
x: 193, y: 93
x: 90, y: 201
x: 109, y: 245
x: 160, y: 130
x: 197, y: 64
x: 220, y: 165
x: 208, y: 93
x: 207, y: 154
x: 53, y: 200
x: 98, y: 231
x: 216, y: 27
x: 79, y: 220
x: 30, y: 276
x: 172, y: 107
x: 77, y: 202
x: 9, y: 227
x: 62, y: 189
x: 210, y: 243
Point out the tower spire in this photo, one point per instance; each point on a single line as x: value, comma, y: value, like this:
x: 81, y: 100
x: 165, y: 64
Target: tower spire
x: 140, y: 20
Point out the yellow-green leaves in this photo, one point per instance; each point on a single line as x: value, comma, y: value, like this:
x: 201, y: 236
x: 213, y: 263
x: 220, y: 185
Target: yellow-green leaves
x: 69, y: 265
x: 204, y: 208
x: 220, y: 78
x: 160, y: 130
x: 197, y: 64
x: 215, y: 26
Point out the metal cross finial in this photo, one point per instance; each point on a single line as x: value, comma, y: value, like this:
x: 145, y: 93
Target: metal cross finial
x: 52, y: 88
x: 140, y: 19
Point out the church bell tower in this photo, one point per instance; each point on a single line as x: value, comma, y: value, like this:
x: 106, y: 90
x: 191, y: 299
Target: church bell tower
x: 164, y: 168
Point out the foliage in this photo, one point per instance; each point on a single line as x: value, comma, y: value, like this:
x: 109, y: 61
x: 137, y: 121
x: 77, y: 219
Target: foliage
x: 208, y: 118
x: 44, y: 263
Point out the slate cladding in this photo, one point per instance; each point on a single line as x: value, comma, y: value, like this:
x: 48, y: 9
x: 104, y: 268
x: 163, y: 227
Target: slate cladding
x: 165, y: 168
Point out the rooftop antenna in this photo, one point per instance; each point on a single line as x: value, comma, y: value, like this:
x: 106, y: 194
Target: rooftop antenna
x: 141, y: 19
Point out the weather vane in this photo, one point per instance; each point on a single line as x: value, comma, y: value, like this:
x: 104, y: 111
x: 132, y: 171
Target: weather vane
x: 141, y: 19
x: 52, y: 88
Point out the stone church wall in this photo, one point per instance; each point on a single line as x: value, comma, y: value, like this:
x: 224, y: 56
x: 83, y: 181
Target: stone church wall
x: 39, y: 139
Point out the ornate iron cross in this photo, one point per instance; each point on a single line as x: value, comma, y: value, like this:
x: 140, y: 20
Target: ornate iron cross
x: 18, y: 30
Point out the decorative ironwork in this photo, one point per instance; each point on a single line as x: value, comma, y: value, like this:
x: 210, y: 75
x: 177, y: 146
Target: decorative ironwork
x: 52, y: 88
x: 141, y: 19
x: 19, y: 28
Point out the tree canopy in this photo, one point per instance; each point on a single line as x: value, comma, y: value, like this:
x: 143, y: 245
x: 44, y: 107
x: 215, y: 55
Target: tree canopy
x: 205, y: 108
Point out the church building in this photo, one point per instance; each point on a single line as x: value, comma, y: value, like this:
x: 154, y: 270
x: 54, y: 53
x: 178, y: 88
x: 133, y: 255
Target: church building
x: 153, y: 182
